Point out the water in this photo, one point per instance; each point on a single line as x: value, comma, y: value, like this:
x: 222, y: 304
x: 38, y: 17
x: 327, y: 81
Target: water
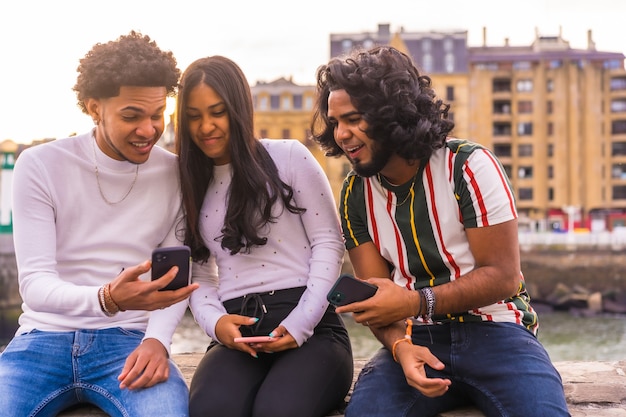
x: 566, y: 337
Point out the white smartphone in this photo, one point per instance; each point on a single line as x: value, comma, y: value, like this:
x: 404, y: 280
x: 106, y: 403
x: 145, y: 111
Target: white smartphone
x: 163, y: 259
x: 254, y: 339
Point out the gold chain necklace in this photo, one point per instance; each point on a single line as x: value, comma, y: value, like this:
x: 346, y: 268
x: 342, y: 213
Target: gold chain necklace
x: 409, y: 192
x: 106, y: 200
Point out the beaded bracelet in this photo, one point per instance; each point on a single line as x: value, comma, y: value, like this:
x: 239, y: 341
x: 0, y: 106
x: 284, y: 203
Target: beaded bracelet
x: 429, y: 295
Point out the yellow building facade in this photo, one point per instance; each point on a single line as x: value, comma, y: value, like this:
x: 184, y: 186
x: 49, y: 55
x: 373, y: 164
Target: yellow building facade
x: 555, y: 116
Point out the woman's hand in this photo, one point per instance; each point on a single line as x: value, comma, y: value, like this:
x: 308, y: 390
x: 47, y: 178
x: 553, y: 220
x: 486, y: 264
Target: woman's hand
x: 284, y: 341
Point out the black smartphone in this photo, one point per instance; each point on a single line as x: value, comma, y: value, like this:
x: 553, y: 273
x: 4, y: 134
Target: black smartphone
x: 163, y: 259
x: 349, y: 289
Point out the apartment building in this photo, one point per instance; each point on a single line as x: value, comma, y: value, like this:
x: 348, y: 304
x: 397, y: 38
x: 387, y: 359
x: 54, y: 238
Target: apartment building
x: 554, y: 115
x: 556, y: 118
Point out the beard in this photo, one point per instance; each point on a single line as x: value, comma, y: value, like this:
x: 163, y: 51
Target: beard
x: 380, y: 158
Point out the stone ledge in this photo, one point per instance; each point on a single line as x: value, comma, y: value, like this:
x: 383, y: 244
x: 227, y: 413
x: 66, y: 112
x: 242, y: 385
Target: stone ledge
x: 592, y: 389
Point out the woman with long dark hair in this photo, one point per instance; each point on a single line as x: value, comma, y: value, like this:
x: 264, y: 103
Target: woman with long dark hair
x: 262, y: 211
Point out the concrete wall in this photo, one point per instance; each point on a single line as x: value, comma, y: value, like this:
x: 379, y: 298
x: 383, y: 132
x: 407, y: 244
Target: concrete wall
x: 592, y: 389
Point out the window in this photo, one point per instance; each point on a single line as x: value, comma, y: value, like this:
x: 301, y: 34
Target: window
x: 501, y: 129
x: 525, y: 106
x: 618, y: 148
x: 450, y: 93
x: 448, y: 60
x: 263, y: 103
x: 550, y: 150
x: 522, y: 65
x: 525, y: 149
x: 275, y: 102
x: 286, y: 103
x: 613, y: 64
x: 448, y: 44
x: 297, y: 101
x: 618, y: 83
x: 427, y: 45
x: 501, y: 85
x: 550, y: 85
x: 525, y: 172
x: 525, y: 128
x: 549, y: 109
x: 550, y: 194
x: 502, y: 150
x: 525, y: 193
x: 618, y: 127
x: 308, y: 103
x: 487, y: 66
x: 618, y: 105
x: 427, y: 63
x: 502, y: 107
x: 550, y: 171
x: 368, y: 43
x: 618, y: 171
x: 619, y: 192
x: 346, y: 45
x: 524, y: 85
x: 263, y: 133
x: 555, y: 63
x: 550, y: 129
x: 286, y: 134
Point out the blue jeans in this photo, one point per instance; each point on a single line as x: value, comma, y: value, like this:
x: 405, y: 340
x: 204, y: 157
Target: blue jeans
x: 43, y: 373
x: 500, y: 368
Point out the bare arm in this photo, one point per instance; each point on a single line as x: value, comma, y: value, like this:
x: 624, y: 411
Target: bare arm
x: 496, y: 277
x: 497, y: 274
x: 367, y: 262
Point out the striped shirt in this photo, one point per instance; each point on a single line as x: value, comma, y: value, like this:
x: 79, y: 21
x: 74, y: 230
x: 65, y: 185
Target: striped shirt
x: 419, y: 227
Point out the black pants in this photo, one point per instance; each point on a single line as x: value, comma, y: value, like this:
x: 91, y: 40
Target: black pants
x: 308, y: 381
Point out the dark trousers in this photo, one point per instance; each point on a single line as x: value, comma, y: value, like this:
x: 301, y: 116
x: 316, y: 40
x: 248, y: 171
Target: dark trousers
x: 307, y: 381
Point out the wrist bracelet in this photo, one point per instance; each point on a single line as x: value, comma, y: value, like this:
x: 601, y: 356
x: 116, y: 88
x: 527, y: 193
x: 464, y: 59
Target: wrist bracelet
x: 429, y: 295
x: 109, y: 297
x: 395, y: 344
x: 104, y: 296
x: 103, y: 305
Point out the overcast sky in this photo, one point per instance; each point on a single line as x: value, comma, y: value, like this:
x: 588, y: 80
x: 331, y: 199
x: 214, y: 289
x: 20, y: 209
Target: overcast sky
x: 41, y: 41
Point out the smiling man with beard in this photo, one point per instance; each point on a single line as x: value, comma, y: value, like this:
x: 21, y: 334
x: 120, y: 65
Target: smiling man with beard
x: 431, y: 221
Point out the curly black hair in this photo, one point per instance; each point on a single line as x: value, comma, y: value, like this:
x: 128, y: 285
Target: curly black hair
x: 131, y: 60
x: 398, y: 104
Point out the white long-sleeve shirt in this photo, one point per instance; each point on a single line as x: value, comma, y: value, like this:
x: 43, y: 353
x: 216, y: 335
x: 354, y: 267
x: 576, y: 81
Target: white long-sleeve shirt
x: 69, y: 241
x: 302, y: 250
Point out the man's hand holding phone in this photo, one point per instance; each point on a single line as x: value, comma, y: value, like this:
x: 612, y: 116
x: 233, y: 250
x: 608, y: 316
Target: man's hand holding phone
x: 348, y: 289
x: 131, y: 293
x: 392, y: 303
x: 164, y: 259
